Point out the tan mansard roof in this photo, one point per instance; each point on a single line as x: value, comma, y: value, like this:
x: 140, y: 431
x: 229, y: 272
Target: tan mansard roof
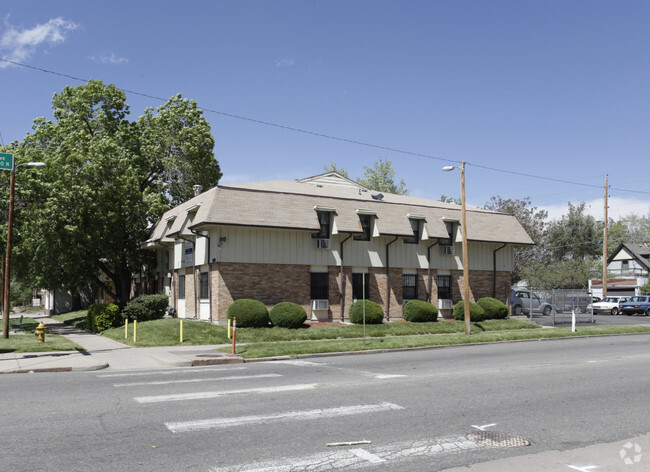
x: 293, y: 205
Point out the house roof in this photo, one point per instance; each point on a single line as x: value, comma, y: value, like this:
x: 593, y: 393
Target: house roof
x: 293, y: 205
x: 639, y: 252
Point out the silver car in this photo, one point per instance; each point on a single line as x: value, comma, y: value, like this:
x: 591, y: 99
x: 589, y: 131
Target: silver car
x: 522, y: 302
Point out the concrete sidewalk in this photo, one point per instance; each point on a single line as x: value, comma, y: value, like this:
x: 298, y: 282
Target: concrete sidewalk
x: 100, y: 352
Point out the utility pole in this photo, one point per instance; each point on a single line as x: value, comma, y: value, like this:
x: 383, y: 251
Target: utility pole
x: 605, y: 241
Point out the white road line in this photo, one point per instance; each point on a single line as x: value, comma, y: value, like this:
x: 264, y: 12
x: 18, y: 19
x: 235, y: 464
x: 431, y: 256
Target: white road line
x: 221, y: 393
x: 211, y: 379
x: 185, y: 371
x: 356, y: 459
x: 343, y: 369
x: 186, y: 426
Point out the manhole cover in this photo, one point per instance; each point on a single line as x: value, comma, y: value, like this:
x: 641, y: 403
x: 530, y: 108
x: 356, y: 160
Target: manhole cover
x: 494, y: 439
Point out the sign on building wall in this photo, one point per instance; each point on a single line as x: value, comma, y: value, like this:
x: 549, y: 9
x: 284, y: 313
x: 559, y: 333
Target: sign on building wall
x: 189, y: 256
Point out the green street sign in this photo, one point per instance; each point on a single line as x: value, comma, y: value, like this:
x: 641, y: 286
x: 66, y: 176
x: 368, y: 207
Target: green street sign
x: 6, y: 161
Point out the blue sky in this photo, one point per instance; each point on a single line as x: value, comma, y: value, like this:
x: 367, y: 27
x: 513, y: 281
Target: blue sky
x: 552, y: 89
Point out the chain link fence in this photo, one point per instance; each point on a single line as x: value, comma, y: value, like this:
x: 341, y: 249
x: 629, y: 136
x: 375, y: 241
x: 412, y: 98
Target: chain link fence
x: 552, y: 307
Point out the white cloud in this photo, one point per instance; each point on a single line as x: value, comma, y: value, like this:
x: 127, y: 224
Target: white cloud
x: 111, y: 59
x: 18, y: 45
x: 284, y: 62
x: 618, y: 207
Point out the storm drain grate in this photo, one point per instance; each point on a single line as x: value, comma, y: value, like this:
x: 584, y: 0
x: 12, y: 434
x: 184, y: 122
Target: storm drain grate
x: 494, y: 439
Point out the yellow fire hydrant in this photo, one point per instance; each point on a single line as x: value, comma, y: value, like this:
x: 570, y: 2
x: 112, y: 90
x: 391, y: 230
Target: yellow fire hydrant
x: 40, y: 333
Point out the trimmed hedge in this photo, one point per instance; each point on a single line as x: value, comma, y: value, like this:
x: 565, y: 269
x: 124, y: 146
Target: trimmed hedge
x: 374, y: 312
x: 476, y: 313
x: 494, y: 309
x: 288, y: 315
x: 249, y: 313
x: 147, y: 308
x: 418, y: 311
x: 103, y: 316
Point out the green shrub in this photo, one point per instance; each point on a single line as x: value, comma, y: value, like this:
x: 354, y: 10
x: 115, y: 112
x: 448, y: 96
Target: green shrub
x: 147, y: 308
x: 374, y: 312
x: 494, y: 309
x: 288, y: 315
x: 103, y: 316
x: 418, y: 311
x: 476, y: 313
x: 249, y: 313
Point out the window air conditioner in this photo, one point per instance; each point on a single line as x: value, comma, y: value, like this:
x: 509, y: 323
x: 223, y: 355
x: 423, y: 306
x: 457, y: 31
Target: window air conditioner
x: 320, y: 304
x: 445, y: 304
x: 449, y: 250
x: 323, y: 243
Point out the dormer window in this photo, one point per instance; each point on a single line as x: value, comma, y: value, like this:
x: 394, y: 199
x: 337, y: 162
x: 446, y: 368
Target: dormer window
x: 415, y: 226
x: 325, y: 221
x: 451, y: 231
x: 366, y: 226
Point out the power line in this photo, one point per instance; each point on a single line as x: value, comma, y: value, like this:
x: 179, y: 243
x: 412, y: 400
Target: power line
x: 331, y: 137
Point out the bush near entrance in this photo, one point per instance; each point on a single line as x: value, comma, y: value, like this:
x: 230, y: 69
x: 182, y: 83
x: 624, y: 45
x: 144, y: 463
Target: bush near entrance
x: 494, y: 309
x: 476, y: 313
x: 374, y: 312
x: 249, y: 313
x: 288, y: 315
x: 103, y: 316
x: 418, y: 311
x: 147, y: 307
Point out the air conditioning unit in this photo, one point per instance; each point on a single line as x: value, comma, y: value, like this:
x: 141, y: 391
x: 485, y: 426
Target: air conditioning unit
x: 445, y: 304
x: 323, y: 243
x: 448, y: 250
x: 320, y: 304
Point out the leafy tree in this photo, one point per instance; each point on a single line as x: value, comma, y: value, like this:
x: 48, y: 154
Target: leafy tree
x: 574, y: 236
x: 532, y: 220
x: 332, y: 167
x: 446, y: 199
x: 565, y: 274
x: 82, y: 219
x: 381, y: 177
x: 637, y: 228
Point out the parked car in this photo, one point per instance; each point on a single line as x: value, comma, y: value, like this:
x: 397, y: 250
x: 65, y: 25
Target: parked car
x: 522, y: 303
x: 581, y: 304
x: 634, y: 305
x: 609, y: 305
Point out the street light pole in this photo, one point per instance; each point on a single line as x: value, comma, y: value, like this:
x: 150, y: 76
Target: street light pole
x: 10, y: 229
x: 466, y: 290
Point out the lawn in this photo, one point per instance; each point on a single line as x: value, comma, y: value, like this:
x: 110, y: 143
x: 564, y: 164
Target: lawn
x: 25, y: 340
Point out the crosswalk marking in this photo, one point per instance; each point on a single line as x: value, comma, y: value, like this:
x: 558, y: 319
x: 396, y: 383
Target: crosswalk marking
x: 210, y: 379
x: 359, y: 458
x: 343, y: 369
x: 186, y: 426
x: 184, y: 371
x: 221, y: 393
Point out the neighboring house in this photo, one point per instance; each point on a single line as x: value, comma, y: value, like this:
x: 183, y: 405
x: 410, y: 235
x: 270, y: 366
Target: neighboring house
x: 627, y: 271
x: 320, y: 242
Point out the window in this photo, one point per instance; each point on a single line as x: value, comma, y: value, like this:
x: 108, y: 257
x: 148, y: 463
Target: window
x: 181, y: 287
x: 451, y: 230
x: 409, y: 286
x: 325, y: 221
x: 366, y: 226
x: 203, y: 285
x: 360, y: 286
x: 319, y: 285
x: 415, y: 226
x: 444, y: 287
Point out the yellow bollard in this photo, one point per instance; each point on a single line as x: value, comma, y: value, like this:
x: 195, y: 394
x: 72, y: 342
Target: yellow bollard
x: 135, y: 330
x: 229, y: 334
x: 126, y: 329
x: 181, y: 330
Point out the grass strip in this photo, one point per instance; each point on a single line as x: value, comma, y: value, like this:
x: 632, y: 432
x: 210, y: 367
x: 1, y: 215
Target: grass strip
x: 25, y: 340
x: 266, y: 349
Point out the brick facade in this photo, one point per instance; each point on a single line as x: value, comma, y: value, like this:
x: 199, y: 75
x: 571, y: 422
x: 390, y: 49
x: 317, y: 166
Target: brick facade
x: 274, y: 283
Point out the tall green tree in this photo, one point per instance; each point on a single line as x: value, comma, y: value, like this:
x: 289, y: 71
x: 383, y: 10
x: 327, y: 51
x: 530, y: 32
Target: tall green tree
x: 332, y: 167
x: 381, y: 177
x: 83, y: 218
x: 533, y: 221
x: 575, y: 235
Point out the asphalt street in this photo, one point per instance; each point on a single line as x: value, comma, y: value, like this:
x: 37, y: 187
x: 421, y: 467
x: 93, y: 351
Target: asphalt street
x: 394, y: 411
